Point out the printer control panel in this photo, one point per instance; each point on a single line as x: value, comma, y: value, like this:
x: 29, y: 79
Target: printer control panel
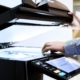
x: 46, y: 65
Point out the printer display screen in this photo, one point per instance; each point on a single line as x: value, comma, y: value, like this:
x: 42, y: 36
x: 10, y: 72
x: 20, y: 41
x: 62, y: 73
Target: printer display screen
x: 64, y: 64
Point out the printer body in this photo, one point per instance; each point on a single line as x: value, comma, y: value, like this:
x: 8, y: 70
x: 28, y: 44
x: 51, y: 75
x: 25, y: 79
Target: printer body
x: 18, y: 63
x: 12, y: 69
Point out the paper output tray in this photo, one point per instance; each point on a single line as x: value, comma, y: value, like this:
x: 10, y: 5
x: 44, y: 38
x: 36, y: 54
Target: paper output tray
x: 51, y: 70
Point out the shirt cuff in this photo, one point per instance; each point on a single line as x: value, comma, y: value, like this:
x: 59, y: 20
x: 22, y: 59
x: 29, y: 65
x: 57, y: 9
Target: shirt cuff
x: 70, y: 47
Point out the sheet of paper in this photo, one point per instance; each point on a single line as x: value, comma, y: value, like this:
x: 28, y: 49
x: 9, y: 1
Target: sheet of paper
x: 22, y: 32
x: 63, y: 64
x: 19, y: 33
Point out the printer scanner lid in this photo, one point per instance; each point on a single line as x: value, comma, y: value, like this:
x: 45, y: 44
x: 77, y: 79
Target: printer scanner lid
x: 53, y: 11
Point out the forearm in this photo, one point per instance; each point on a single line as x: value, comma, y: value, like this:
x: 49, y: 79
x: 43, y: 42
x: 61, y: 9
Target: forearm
x: 72, y: 47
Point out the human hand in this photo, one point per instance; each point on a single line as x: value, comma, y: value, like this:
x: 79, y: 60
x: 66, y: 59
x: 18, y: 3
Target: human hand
x: 53, y: 46
x: 76, y: 21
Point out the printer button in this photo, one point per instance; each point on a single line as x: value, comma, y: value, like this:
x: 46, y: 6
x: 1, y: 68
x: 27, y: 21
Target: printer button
x: 38, y: 63
x: 52, y: 69
x: 44, y: 65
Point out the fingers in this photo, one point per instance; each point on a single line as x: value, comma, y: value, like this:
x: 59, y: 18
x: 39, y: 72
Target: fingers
x: 46, y: 45
x: 77, y: 18
x: 46, y: 49
x: 71, y: 13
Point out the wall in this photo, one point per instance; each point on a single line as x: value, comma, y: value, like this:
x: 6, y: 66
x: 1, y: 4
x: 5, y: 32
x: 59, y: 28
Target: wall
x: 10, y: 3
x: 76, y: 3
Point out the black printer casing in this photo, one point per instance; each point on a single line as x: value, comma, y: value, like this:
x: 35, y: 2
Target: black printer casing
x: 18, y: 70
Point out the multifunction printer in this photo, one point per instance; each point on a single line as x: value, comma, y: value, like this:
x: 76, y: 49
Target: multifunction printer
x: 24, y: 63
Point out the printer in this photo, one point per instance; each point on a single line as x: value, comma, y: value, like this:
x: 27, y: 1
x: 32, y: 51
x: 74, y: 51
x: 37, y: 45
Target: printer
x: 22, y: 63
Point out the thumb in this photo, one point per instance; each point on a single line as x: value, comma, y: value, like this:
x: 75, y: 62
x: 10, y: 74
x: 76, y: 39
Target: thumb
x: 75, y: 16
x: 71, y: 13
